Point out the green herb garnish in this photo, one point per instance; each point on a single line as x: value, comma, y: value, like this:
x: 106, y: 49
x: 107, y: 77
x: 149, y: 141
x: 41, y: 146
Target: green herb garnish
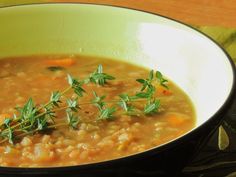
x: 100, y: 78
x: 126, y: 103
x: 33, y: 118
x: 161, y: 80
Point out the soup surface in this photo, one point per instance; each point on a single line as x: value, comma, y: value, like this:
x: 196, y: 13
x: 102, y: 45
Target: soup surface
x: 125, y: 128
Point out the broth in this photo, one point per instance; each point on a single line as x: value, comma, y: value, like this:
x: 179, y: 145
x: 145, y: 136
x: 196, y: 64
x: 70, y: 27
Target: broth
x: 91, y: 141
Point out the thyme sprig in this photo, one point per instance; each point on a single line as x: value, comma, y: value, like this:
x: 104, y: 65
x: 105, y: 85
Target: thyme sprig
x: 148, y: 91
x: 32, y: 118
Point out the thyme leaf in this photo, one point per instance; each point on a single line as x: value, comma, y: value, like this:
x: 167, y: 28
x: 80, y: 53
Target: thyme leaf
x: 72, y: 119
x: 161, y: 80
x: 98, y: 101
x: 107, y: 113
x: 100, y: 78
x: 55, y: 98
x: 126, y: 103
x: 152, y: 107
x: 76, y: 85
x: 73, y: 104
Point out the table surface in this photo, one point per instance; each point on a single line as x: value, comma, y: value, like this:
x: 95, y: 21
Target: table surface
x: 195, y: 12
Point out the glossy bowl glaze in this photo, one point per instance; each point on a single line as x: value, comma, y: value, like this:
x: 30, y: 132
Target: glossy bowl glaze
x: 189, y: 58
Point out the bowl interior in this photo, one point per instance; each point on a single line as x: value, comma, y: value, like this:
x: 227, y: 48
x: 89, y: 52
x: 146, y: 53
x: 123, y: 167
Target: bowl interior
x: 187, y: 57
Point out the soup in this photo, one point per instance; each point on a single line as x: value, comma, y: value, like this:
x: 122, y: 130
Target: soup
x: 72, y: 110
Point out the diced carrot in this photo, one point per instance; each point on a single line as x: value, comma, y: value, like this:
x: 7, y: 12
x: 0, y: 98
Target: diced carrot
x: 65, y: 62
x: 175, y: 119
x: 3, y: 117
x: 167, y: 92
x: 163, y: 91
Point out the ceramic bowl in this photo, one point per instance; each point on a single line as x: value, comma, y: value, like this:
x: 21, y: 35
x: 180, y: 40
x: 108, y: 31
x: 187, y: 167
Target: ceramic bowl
x: 189, y: 58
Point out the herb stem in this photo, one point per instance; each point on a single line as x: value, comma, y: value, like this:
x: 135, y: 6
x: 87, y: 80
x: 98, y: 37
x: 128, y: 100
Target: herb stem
x: 50, y: 102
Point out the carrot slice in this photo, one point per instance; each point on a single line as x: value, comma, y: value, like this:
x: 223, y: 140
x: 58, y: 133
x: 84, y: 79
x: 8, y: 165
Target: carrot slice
x: 65, y: 62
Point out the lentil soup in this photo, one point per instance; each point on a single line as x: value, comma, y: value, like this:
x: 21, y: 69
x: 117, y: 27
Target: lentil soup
x: 121, y: 129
